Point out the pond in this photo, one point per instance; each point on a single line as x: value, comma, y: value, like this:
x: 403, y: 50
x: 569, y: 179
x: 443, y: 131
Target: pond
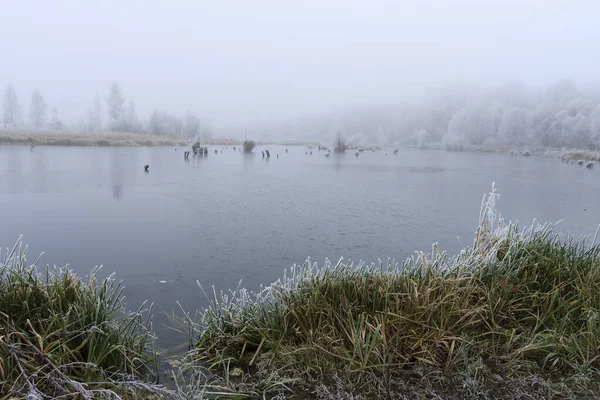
x: 230, y: 216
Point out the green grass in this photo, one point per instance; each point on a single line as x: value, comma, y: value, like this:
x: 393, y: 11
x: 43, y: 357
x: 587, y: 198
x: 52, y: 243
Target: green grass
x: 61, y: 335
x: 520, y: 305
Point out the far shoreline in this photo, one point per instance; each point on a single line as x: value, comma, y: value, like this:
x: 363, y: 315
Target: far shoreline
x: 119, y: 139
x: 127, y: 139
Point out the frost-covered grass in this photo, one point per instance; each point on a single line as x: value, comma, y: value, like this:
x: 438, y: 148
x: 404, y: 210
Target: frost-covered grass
x: 65, y: 337
x: 574, y: 155
x: 89, y: 139
x: 564, y: 154
x: 517, y: 314
x: 514, y: 315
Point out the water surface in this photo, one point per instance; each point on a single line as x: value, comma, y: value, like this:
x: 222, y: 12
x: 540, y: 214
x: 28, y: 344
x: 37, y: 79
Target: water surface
x: 230, y: 216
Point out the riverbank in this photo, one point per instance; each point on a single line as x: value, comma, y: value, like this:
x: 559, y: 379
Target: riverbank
x: 515, y: 315
x: 103, y: 139
x: 62, y: 336
x: 117, y: 139
x: 564, y: 154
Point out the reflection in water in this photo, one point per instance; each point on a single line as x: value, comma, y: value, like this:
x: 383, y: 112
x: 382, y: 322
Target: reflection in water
x: 40, y: 176
x: 338, y: 160
x: 117, y: 192
x: 15, y: 171
x: 425, y: 170
x: 248, y: 157
x: 117, y: 173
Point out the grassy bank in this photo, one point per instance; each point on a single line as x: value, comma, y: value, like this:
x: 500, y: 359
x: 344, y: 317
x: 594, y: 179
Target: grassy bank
x: 116, y: 139
x: 574, y: 155
x: 102, y: 139
x: 564, y: 154
x: 514, y: 315
x: 517, y: 314
x: 65, y: 337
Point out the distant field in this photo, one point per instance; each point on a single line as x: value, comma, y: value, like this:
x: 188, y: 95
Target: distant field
x: 116, y: 139
x: 89, y: 139
x: 120, y: 139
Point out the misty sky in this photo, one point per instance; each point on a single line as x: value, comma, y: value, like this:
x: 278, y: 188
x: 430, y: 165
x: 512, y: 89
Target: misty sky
x: 247, y: 61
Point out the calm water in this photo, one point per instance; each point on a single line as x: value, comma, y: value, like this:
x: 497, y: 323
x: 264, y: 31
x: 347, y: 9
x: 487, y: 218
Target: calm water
x: 229, y: 217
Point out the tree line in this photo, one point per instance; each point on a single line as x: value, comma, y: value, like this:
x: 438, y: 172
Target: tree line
x: 38, y: 114
x: 121, y: 116
x: 560, y: 114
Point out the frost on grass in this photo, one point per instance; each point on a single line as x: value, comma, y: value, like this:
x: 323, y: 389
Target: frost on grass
x: 63, y: 337
x: 574, y: 155
x: 89, y: 139
x: 517, y: 305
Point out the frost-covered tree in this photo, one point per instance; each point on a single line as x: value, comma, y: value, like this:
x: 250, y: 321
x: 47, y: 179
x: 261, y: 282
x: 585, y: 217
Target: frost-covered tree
x: 10, y: 106
x: 93, y: 118
x: 129, y: 122
x: 191, y: 127
x: 132, y: 118
x: 37, y: 110
x: 512, y: 114
x: 162, y: 123
x: 154, y: 123
x: 595, y: 127
x: 515, y: 126
x: 115, y: 104
x: 542, y: 122
x: 580, y: 135
x: 422, y: 137
x: 560, y: 92
x: 470, y: 125
x: 55, y: 123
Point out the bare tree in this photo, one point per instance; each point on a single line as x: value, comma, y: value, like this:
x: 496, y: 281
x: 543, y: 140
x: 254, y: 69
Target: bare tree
x: 131, y: 123
x: 37, y: 109
x: 55, y: 123
x: 191, y: 126
x: 94, y: 116
x: 116, y: 104
x: 154, y: 124
x: 162, y: 123
x: 10, y: 116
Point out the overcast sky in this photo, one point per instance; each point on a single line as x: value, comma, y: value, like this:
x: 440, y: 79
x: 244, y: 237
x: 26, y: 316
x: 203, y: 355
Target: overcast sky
x: 247, y: 61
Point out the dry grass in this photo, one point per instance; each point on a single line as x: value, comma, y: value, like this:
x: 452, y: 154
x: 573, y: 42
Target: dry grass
x: 89, y: 139
x: 63, y: 337
x: 574, y: 155
x: 515, y: 315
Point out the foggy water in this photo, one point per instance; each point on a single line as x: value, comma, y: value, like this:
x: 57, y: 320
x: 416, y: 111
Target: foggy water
x: 229, y: 216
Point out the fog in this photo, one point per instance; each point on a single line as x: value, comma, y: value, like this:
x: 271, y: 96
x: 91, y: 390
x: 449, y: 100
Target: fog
x: 299, y: 69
